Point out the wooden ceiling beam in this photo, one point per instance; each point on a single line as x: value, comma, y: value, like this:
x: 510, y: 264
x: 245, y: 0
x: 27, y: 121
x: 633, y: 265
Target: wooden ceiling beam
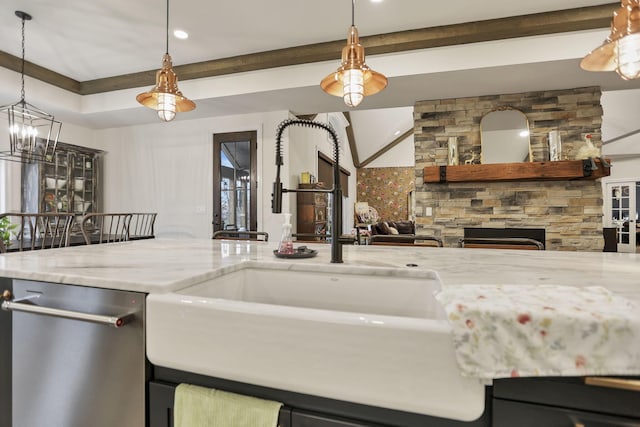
x: 14, y: 63
x: 351, y: 137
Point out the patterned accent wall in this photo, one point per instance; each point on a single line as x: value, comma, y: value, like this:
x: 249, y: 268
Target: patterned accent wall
x: 387, y: 190
x: 570, y: 211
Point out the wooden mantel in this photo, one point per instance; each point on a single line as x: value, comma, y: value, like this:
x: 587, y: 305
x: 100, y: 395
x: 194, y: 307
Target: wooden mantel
x: 532, y: 171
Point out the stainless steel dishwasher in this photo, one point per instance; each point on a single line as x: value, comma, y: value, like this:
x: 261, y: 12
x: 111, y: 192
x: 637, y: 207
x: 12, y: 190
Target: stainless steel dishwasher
x: 77, y: 356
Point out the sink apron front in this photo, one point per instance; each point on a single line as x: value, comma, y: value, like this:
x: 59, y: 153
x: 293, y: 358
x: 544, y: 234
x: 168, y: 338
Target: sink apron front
x: 374, y: 336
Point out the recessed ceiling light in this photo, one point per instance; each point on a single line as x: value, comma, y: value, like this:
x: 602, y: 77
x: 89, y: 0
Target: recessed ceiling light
x: 377, y: 1
x: 180, y: 34
x: 396, y: 133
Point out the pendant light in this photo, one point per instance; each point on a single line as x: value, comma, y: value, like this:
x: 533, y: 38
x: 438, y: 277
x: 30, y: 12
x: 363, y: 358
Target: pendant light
x: 621, y: 50
x: 354, y: 79
x: 165, y: 97
x: 33, y: 133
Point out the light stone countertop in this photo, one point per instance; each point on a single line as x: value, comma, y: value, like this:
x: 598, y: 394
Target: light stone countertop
x: 165, y: 265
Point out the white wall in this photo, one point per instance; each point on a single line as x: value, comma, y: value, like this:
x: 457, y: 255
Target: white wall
x: 78, y: 135
x: 621, y: 117
x: 305, y: 143
x: 625, y: 168
x: 402, y: 155
x: 10, y: 186
x: 168, y: 168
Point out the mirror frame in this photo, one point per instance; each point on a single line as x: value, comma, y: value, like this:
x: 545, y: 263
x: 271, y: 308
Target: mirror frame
x: 528, y: 129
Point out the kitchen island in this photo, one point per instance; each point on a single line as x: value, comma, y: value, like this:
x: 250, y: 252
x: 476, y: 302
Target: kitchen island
x: 166, y: 265
x: 163, y: 266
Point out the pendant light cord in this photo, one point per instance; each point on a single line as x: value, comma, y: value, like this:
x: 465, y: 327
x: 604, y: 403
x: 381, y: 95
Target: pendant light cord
x: 353, y: 12
x: 167, y: 26
x: 22, y: 65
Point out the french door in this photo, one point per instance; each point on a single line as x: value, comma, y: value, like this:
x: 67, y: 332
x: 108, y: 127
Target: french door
x: 621, y: 212
x: 234, y: 181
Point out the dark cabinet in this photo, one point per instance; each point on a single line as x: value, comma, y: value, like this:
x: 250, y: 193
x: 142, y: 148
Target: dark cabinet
x: 309, y: 419
x: 70, y: 182
x: 161, y: 396
x: 300, y: 410
x: 560, y: 402
x: 6, y: 328
x: 312, y: 212
x: 509, y: 414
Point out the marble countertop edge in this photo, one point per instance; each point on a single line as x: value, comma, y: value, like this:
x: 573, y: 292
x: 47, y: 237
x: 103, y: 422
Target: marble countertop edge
x: 165, y: 265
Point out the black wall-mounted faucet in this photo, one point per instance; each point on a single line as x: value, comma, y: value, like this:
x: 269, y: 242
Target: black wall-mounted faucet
x: 336, y: 191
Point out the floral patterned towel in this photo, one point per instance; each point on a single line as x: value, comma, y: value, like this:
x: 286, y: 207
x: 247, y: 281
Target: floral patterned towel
x: 511, y: 330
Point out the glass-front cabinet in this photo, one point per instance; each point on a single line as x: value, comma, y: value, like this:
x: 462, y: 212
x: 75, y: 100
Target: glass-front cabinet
x: 69, y: 183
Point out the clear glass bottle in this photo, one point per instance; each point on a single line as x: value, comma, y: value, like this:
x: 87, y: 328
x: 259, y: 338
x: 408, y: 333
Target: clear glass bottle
x: 286, y: 241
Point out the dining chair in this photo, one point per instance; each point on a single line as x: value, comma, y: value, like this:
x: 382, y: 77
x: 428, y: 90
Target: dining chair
x: 30, y: 231
x: 142, y: 226
x: 241, y: 235
x: 105, y: 227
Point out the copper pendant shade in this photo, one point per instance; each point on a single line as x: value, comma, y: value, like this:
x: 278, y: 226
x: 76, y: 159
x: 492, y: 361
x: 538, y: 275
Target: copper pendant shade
x: 620, y: 52
x: 165, y: 97
x: 354, y: 79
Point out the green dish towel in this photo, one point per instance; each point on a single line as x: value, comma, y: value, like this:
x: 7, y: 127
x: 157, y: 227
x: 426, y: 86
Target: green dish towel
x: 205, y: 407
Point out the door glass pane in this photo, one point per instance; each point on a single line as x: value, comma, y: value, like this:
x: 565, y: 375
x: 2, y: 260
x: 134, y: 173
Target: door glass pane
x: 624, y: 238
x: 620, y: 203
x: 235, y: 171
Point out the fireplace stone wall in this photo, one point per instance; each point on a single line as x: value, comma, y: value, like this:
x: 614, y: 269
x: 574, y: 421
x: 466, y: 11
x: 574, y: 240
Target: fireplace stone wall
x: 570, y: 211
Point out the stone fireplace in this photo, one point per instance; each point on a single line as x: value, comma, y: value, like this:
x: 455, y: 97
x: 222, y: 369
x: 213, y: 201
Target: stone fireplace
x: 570, y: 211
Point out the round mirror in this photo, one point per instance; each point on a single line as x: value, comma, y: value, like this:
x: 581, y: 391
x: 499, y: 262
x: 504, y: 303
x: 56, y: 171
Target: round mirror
x: 504, y: 137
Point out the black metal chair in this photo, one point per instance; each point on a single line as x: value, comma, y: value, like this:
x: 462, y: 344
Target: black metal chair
x: 142, y: 225
x: 105, y: 227
x: 30, y: 231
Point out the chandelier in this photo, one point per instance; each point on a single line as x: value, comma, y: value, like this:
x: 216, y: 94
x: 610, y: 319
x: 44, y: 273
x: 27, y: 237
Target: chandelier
x: 33, y: 133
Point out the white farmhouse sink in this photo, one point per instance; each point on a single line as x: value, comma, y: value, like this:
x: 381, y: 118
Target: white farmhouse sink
x: 374, y: 336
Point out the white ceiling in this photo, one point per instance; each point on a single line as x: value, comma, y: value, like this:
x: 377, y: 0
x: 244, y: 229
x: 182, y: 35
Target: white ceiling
x: 90, y: 39
x: 86, y: 40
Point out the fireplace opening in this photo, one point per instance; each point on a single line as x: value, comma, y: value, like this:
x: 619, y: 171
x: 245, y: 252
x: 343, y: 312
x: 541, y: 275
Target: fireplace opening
x: 475, y: 237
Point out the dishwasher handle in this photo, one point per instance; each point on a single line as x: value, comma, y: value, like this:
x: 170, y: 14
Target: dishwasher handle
x: 115, y: 321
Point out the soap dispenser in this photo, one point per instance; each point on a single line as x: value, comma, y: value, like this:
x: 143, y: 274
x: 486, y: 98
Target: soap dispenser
x: 286, y: 241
